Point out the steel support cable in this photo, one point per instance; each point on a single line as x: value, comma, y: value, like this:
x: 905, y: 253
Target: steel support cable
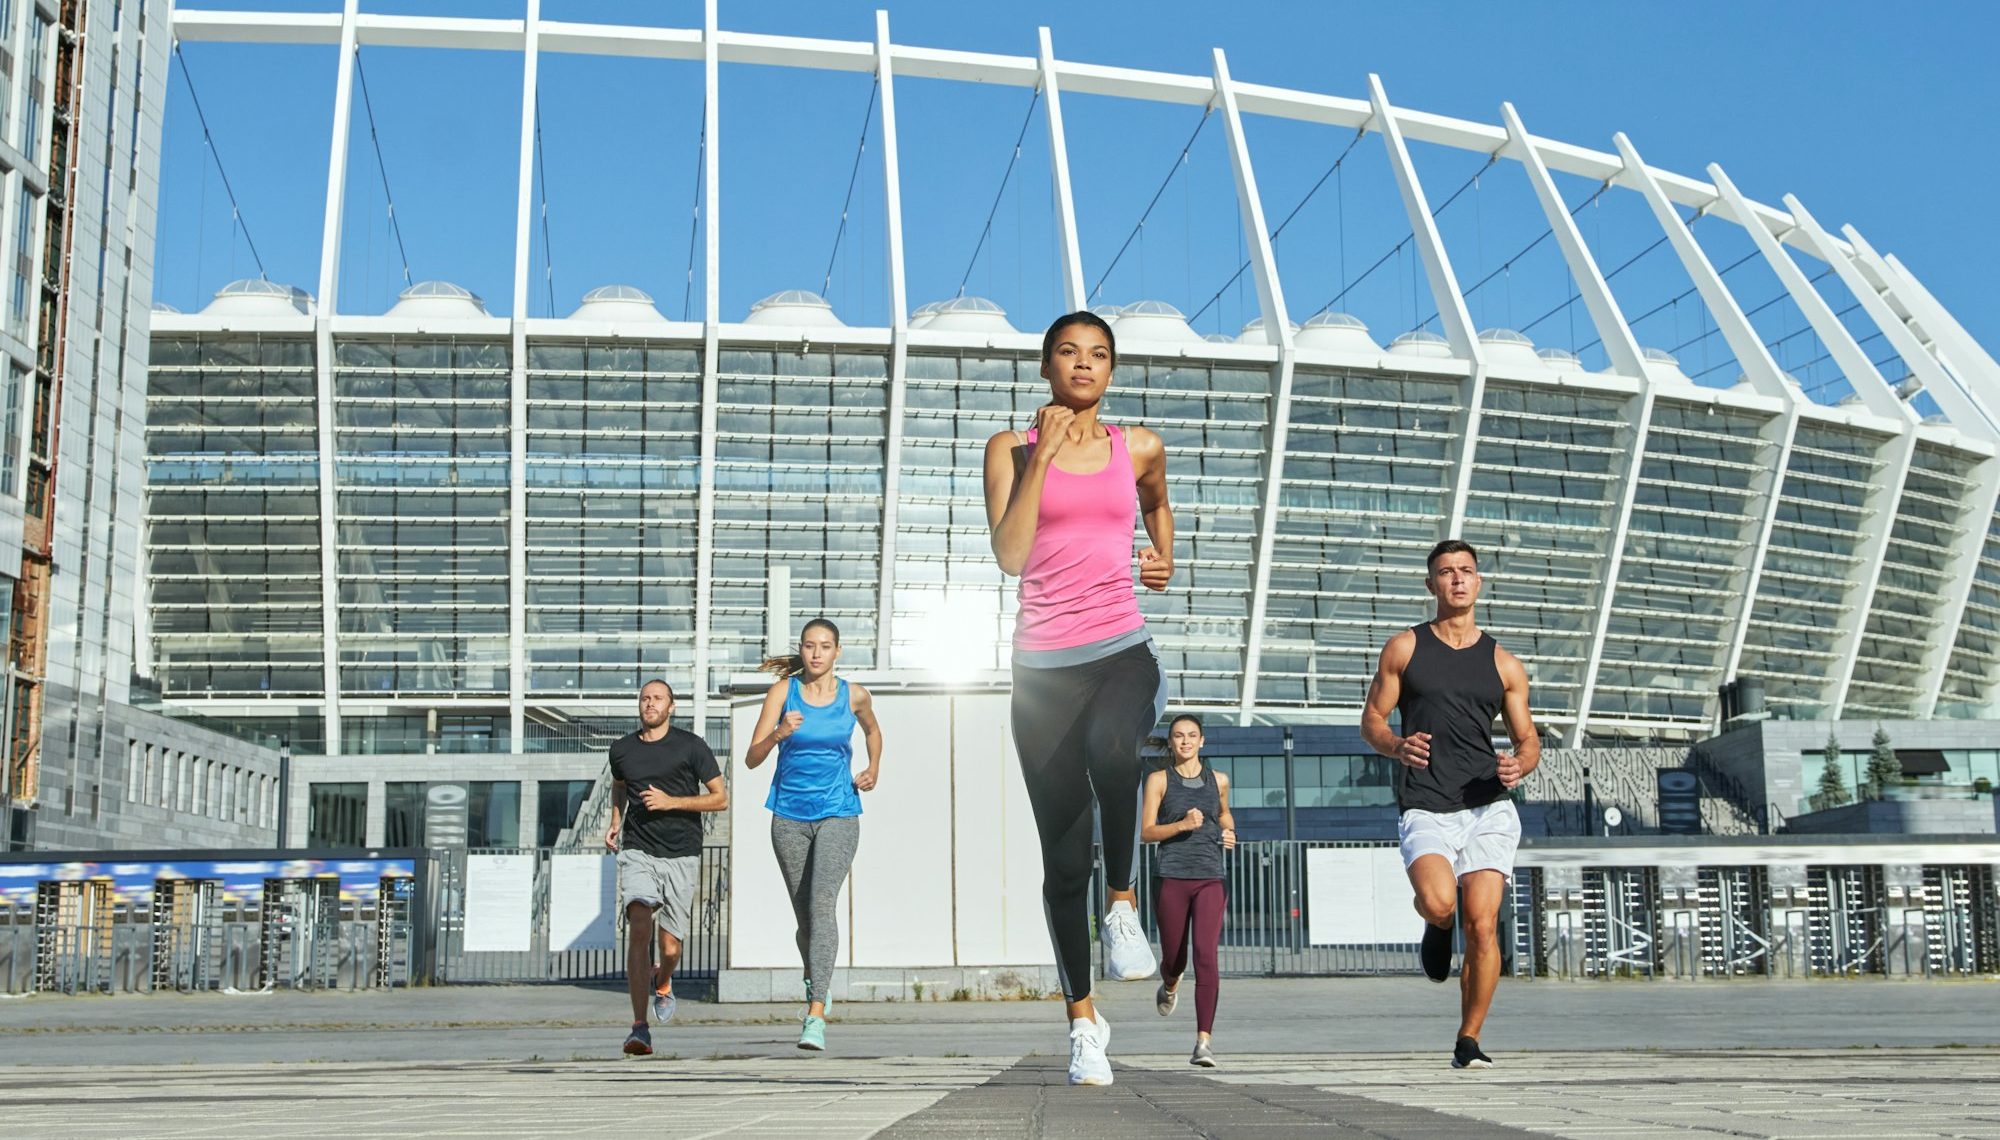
x: 1179, y: 161
x: 1523, y: 252
x: 1629, y: 263
x: 1676, y: 299
x: 382, y: 167
x: 1791, y: 336
x: 1398, y: 248
x: 694, y: 217
x: 235, y: 211
x: 853, y: 176
x: 998, y: 195
x: 1243, y: 268
x: 542, y: 170
x: 1782, y: 294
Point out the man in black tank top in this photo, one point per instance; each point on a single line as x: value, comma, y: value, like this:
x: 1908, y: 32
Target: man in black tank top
x: 1448, y: 681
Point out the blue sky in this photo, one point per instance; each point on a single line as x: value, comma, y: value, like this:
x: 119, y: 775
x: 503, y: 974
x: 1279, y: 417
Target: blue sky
x: 1870, y: 113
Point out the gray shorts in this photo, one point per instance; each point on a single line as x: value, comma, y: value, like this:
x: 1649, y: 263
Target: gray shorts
x: 666, y: 886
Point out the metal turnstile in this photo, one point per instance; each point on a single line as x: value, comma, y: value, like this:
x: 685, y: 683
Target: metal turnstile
x: 1621, y: 921
x: 1734, y: 919
x: 1959, y: 926
x: 187, y: 934
x: 394, y: 900
x: 1844, y: 920
x: 1527, y: 941
x: 301, y: 933
x: 73, y: 936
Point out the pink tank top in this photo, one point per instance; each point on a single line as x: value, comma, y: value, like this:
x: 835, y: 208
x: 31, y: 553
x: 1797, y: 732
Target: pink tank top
x: 1077, y: 585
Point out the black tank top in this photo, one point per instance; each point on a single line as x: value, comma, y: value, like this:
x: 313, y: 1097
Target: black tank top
x: 1192, y: 854
x: 1453, y: 694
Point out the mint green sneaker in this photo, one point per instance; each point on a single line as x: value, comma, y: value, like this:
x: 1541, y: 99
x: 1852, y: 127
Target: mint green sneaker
x: 812, y: 1034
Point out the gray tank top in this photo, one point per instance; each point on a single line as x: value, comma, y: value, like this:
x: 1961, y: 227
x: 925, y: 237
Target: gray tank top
x: 1192, y: 854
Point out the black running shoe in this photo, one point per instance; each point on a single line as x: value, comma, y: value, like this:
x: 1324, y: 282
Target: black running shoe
x: 640, y: 1042
x: 1467, y: 1055
x: 1436, y: 952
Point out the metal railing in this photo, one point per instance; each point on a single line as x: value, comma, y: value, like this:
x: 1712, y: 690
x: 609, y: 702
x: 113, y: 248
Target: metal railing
x: 1265, y: 926
x: 701, y: 951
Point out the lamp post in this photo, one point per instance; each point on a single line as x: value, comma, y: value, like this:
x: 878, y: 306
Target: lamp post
x: 284, y: 791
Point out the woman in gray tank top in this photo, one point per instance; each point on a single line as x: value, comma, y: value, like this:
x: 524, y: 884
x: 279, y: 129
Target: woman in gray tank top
x: 1186, y: 812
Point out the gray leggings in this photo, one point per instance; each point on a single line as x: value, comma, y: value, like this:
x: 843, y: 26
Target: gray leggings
x: 814, y: 858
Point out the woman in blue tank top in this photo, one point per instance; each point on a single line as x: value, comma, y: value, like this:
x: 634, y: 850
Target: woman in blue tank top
x: 809, y: 717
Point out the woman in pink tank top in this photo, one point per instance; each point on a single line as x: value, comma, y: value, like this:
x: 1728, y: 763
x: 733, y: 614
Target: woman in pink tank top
x: 1062, y: 499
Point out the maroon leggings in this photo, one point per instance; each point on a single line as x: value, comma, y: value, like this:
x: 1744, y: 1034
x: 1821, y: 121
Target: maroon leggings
x: 1190, y: 914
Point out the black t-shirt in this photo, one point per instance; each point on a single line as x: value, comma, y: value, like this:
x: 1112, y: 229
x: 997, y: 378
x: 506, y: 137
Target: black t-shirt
x: 1455, y: 695
x: 679, y: 764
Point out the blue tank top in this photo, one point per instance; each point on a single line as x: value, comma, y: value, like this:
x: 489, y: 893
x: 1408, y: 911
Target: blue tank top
x: 815, y: 777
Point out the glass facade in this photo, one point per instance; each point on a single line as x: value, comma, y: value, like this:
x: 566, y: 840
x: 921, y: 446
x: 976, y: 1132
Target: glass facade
x: 422, y: 478
x: 1317, y: 781
x: 427, y: 549
x: 613, y: 471
x: 1814, y: 556
x: 1975, y: 654
x: 1541, y: 509
x: 798, y: 483
x: 1367, y: 483
x: 1687, y: 542
x: 233, y: 507
x: 1905, y: 615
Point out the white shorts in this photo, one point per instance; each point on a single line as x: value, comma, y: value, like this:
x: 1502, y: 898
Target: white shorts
x: 1476, y: 839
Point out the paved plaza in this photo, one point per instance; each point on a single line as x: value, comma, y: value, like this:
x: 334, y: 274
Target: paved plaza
x: 1320, y: 1058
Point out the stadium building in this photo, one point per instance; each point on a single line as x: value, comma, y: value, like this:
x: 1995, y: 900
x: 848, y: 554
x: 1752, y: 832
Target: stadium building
x: 375, y: 535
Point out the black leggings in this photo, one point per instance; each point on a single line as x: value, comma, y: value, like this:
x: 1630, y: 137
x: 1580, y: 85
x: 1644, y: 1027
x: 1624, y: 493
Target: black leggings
x: 1077, y: 729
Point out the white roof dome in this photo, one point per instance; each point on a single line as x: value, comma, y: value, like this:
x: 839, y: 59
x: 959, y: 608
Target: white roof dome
x: 1154, y: 321
x: 437, y: 299
x: 257, y: 297
x: 1505, y: 346
x: 617, y: 303
x: 1419, y: 342
x: 1218, y: 338
x: 1253, y: 333
x: 922, y: 317
x: 797, y: 308
x: 1108, y: 312
x: 1662, y: 367
x: 163, y: 307
x: 1560, y: 359
x: 1343, y: 331
x: 969, y: 314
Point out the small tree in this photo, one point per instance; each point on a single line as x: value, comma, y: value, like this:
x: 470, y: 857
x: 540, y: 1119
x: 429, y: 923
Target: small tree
x: 1883, y: 767
x: 1832, y: 789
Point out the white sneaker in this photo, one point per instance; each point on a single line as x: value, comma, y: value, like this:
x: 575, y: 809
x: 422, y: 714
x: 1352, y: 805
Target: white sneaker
x: 1165, y: 999
x: 1127, y: 954
x: 1087, y: 1063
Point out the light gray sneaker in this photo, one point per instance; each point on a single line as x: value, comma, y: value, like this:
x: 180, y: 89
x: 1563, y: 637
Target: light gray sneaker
x: 1202, y: 1056
x: 1165, y: 1000
x: 1127, y: 955
x: 1087, y: 1063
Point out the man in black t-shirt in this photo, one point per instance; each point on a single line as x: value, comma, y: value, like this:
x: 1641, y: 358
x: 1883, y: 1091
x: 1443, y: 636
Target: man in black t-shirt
x: 662, y: 779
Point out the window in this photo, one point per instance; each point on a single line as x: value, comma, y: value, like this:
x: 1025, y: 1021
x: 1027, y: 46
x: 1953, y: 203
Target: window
x: 494, y: 814
x: 559, y: 802
x: 403, y: 814
x: 338, y: 816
